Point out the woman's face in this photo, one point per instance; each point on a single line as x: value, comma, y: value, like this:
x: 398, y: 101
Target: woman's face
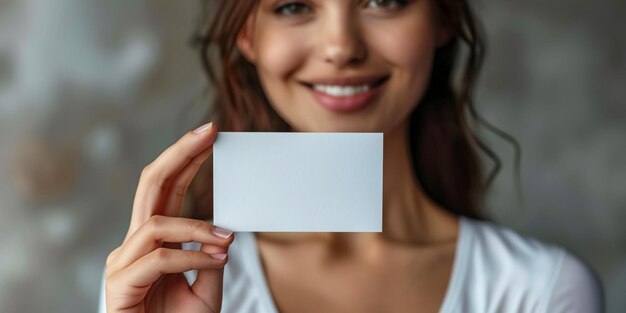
x: 343, y: 65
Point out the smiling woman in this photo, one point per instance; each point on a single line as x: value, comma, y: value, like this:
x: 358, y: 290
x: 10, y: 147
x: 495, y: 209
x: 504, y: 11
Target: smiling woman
x: 343, y: 66
x: 308, y: 57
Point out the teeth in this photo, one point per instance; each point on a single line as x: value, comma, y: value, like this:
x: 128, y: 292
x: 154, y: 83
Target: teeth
x: 341, y: 91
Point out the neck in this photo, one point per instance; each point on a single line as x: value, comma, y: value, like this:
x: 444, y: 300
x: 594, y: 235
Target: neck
x: 409, y: 215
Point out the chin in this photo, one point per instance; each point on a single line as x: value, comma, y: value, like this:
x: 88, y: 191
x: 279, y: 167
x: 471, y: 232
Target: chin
x: 366, y: 121
x: 337, y: 127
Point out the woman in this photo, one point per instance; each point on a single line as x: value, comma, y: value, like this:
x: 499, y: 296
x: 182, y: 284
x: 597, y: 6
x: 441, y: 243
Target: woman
x: 343, y: 66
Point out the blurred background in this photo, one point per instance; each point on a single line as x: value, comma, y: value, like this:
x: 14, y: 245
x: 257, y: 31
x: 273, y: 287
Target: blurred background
x: 92, y: 91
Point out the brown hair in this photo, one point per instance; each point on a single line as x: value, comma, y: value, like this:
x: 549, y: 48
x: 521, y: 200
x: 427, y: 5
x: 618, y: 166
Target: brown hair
x: 442, y: 143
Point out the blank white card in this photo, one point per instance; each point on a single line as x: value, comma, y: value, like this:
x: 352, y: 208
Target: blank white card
x: 298, y: 182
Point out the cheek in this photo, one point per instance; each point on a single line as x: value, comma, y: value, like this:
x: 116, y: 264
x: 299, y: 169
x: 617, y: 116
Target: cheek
x: 412, y: 48
x: 410, y: 55
x: 280, y: 53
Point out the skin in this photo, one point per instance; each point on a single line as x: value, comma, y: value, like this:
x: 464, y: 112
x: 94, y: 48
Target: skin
x: 407, y: 266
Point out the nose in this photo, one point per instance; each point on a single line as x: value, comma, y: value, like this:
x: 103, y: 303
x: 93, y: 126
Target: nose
x: 342, y: 41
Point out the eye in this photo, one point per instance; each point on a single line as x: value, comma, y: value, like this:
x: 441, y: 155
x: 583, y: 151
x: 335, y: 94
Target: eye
x: 293, y: 9
x: 387, y: 4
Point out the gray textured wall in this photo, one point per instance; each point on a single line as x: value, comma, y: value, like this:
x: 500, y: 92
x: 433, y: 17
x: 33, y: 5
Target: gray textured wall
x: 90, y: 92
x: 555, y: 79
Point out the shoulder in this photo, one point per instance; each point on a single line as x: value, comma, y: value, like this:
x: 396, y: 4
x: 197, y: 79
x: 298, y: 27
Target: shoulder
x: 577, y: 288
x: 509, y: 250
x: 521, y: 271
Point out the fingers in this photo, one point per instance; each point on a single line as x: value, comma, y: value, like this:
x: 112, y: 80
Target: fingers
x: 152, y: 266
x: 144, y: 258
x: 159, y: 177
x: 160, y: 229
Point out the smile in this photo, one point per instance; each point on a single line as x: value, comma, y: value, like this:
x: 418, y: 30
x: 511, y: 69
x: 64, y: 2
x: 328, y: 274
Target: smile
x: 348, y: 94
x: 342, y: 91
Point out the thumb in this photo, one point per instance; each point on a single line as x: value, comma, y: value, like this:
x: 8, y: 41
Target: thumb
x: 209, y: 285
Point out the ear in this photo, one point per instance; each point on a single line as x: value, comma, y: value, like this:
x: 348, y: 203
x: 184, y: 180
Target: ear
x: 245, y: 40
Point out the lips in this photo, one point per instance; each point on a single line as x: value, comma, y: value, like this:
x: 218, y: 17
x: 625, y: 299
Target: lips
x: 346, y: 94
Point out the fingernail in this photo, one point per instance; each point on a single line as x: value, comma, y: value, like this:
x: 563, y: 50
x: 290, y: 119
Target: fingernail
x: 221, y: 232
x: 203, y: 128
x: 219, y: 256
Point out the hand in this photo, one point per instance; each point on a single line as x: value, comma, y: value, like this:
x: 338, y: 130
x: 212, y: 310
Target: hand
x: 145, y: 273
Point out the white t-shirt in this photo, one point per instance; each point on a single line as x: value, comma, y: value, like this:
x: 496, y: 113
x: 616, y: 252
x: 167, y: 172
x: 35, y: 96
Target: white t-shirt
x: 495, y: 270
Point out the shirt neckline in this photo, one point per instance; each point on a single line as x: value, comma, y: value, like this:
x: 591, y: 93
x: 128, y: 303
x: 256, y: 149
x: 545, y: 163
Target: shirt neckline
x: 450, y: 297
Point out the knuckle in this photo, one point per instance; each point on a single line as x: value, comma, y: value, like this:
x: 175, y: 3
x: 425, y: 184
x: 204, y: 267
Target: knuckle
x: 160, y: 256
x: 195, y: 226
x: 111, y: 257
x: 155, y: 221
x: 154, y: 224
x: 151, y: 175
x: 147, y: 170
